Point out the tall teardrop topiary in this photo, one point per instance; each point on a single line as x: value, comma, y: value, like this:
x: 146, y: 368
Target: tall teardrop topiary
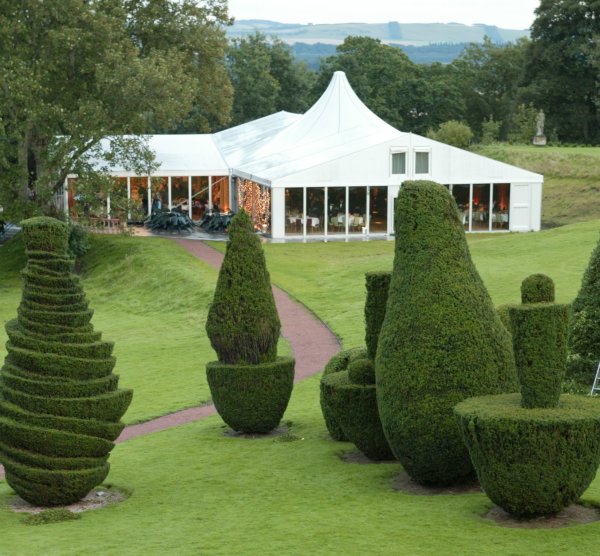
x: 250, y: 385
x: 584, y: 327
x: 60, y: 406
x: 441, y: 340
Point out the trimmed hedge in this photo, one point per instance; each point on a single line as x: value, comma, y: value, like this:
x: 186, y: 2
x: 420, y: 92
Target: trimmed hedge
x: 377, y: 284
x: 354, y: 407
x: 537, y: 288
x: 540, y: 347
x: 441, y: 340
x: 243, y: 325
x: 502, y: 311
x: 339, y: 362
x: 361, y: 371
x: 60, y: 406
x: 532, y: 461
x: 251, y: 398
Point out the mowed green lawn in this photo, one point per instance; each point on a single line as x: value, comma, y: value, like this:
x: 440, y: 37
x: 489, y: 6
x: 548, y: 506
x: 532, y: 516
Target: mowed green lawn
x: 196, y: 490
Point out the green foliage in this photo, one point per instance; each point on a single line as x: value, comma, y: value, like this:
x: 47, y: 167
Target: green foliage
x: 537, y: 288
x: 441, y: 340
x: 361, y: 371
x: 453, y: 133
x: 490, y: 130
x: 377, y: 284
x: 504, y: 315
x: 339, y: 362
x: 243, y: 325
x: 60, y: 406
x: 251, y: 398
x: 584, y: 331
x: 532, y: 461
x: 56, y: 515
x: 539, y: 333
x: 523, y: 124
x: 354, y: 407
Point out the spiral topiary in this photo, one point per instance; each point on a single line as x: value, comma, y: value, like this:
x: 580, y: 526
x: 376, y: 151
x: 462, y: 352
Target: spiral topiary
x: 60, y: 404
x: 441, y: 340
x: 250, y: 385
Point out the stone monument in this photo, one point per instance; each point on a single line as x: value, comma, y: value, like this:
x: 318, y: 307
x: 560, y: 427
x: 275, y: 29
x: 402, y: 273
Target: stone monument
x: 540, y: 139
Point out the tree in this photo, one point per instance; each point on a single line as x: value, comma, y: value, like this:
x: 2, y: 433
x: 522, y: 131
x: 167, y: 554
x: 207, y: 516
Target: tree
x: 75, y: 72
x: 453, y: 133
x: 563, y: 76
x: 266, y: 78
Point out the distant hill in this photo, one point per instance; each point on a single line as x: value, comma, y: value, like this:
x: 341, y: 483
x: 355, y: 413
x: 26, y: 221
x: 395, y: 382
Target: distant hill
x: 423, y: 42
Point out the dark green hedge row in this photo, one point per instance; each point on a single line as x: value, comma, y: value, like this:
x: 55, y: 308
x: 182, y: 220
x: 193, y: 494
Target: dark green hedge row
x: 354, y: 407
x: 532, y: 461
x: 339, y: 362
x: 537, y: 288
x: 52, y: 364
x: 540, y: 346
x: 502, y: 311
x: 441, y: 340
x: 91, y: 427
x: 58, y: 388
x: 52, y: 487
x: 377, y: 284
x: 251, y: 398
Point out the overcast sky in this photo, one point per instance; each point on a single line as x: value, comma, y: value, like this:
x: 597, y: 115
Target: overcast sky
x: 509, y: 14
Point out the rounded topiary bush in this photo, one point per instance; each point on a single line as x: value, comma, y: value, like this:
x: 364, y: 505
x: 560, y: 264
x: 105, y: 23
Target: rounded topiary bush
x: 361, y: 371
x: 339, y: 362
x: 540, y: 347
x: 250, y: 385
x: 251, y: 398
x: 377, y: 284
x: 441, y: 340
x: 60, y: 405
x: 537, y: 288
x: 532, y: 461
x: 354, y: 407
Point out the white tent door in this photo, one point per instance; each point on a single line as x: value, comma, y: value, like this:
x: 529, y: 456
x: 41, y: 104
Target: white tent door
x: 520, y: 207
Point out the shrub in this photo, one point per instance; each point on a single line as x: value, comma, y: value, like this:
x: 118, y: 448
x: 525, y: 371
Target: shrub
x: 584, y: 332
x: 503, y: 313
x: 453, y: 133
x: 60, y: 405
x: 537, y: 288
x: 441, y: 341
x: 361, y: 371
x: 377, y: 284
x: 251, y: 398
x: 354, y: 407
x: 339, y: 362
x: 243, y: 325
x: 540, y: 347
x: 532, y: 461
x: 79, y: 240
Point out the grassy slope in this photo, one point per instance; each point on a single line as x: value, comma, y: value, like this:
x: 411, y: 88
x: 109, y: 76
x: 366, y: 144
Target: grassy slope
x: 571, y: 178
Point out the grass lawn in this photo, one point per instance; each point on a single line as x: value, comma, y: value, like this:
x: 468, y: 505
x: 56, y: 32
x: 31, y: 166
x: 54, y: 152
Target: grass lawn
x: 198, y: 491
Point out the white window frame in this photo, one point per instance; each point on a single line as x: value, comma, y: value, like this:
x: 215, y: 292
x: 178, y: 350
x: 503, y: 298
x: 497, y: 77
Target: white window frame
x: 399, y: 150
x: 422, y: 150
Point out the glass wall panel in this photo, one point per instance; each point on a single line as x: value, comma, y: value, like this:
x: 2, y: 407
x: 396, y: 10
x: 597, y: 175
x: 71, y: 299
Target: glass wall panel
x: 378, y: 207
x: 139, y: 198
x: 461, y: 196
x: 179, y: 194
x: 336, y: 199
x: 220, y: 193
x: 500, y: 209
x: 398, y: 163
x: 199, y: 196
x: 315, y: 210
x: 160, y: 194
x: 357, y: 207
x: 293, y: 210
x: 481, y: 207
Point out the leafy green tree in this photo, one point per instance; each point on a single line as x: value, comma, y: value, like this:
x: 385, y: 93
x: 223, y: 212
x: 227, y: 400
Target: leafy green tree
x: 523, y: 124
x: 453, y: 133
x: 74, y: 72
x: 490, y: 130
x: 563, y: 74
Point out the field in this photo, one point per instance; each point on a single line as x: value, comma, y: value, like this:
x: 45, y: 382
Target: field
x: 195, y: 490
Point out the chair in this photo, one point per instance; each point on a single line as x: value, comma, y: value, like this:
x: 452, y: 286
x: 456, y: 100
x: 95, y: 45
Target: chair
x: 309, y: 222
x: 298, y: 224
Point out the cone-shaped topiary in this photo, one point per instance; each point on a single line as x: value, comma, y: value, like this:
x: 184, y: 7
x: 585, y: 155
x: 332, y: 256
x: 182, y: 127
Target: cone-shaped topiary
x: 250, y: 385
x: 441, y: 341
x: 537, y: 288
x: 243, y: 325
x: 584, y: 328
x: 378, y: 284
x: 60, y: 406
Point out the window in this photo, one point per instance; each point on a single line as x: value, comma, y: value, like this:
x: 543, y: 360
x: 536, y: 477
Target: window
x: 422, y: 162
x: 399, y: 163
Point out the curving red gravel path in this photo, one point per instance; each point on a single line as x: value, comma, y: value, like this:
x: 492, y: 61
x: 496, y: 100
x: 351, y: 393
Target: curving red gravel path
x: 312, y: 343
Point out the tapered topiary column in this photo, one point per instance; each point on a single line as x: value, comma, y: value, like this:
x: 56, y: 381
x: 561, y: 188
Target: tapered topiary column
x: 441, y: 340
x: 250, y: 385
x: 535, y: 453
x: 60, y: 406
